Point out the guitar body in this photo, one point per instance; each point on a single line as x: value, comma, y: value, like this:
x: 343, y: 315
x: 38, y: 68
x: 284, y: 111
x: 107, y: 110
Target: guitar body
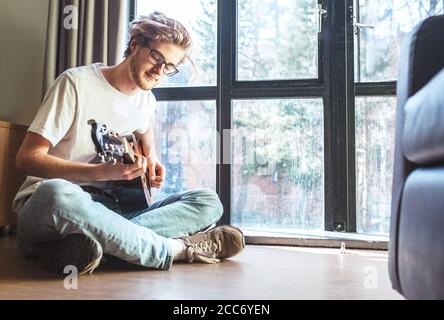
x: 132, y: 195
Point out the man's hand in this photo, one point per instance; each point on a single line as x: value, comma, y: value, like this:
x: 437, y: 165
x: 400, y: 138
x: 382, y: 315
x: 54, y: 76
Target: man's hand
x: 120, y: 171
x: 156, y: 171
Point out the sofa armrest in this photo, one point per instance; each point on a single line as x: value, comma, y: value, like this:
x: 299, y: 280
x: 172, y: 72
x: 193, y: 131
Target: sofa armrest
x: 423, y: 134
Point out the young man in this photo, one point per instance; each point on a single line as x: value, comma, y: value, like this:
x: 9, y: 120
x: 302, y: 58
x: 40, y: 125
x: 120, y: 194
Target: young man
x: 67, y: 211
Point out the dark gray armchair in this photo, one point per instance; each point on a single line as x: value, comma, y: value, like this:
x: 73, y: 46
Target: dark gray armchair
x: 416, y: 247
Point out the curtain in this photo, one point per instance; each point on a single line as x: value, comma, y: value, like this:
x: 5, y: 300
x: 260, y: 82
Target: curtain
x: 81, y: 32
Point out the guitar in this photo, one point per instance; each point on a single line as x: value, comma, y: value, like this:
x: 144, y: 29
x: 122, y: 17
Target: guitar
x: 111, y: 147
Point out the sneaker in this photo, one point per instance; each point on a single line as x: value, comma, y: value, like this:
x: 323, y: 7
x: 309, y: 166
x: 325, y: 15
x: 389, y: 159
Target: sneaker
x: 214, y: 245
x: 76, y: 249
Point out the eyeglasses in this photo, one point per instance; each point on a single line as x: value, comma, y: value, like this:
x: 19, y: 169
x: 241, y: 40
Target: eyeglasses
x: 156, y: 58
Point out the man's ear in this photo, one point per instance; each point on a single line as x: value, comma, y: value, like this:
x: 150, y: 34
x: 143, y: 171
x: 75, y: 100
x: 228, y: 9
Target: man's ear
x: 133, y: 46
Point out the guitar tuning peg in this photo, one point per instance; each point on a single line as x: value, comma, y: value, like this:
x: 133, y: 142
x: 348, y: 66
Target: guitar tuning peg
x: 110, y: 160
x: 102, y: 157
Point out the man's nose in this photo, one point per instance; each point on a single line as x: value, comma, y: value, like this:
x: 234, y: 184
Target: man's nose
x: 159, y: 69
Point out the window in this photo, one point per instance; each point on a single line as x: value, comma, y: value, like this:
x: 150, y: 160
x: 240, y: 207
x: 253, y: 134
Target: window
x: 186, y: 144
x: 306, y: 91
x: 277, y: 164
x: 379, y: 30
x: 375, y: 138
x: 382, y: 25
x: 290, y: 167
x: 277, y: 39
x: 185, y: 129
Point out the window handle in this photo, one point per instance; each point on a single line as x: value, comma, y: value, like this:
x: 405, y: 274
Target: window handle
x: 321, y: 14
x: 357, y: 26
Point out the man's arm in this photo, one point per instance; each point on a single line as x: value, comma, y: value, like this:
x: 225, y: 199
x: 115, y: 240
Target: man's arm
x: 33, y: 159
x: 156, y: 169
x: 148, y: 143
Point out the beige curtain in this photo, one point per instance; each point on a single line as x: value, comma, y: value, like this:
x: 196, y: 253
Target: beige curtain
x: 82, y: 32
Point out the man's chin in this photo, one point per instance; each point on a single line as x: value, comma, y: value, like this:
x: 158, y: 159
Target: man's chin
x: 145, y: 84
x: 147, y: 87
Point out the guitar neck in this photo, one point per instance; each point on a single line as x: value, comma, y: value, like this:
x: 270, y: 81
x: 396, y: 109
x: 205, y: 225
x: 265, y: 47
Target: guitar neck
x: 129, y: 154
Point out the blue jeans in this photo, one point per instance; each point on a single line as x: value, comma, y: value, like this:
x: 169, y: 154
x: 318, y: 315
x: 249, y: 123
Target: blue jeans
x: 59, y: 208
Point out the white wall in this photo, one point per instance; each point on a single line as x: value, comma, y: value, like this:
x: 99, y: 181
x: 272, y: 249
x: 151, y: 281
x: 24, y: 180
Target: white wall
x: 22, y: 49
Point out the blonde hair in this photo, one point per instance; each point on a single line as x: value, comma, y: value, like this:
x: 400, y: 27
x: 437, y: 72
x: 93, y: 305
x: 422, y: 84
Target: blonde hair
x: 157, y: 26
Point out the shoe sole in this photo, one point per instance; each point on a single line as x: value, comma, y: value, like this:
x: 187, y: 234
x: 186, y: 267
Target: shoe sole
x: 95, y: 263
x: 92, y: 266
x: 57, y: 255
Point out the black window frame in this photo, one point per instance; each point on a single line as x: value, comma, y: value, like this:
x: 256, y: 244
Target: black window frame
x: 359, y: 89
x: 335, y: 85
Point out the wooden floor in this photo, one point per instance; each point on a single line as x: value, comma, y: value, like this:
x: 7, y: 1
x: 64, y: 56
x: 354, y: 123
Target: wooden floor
x: 260, y: 272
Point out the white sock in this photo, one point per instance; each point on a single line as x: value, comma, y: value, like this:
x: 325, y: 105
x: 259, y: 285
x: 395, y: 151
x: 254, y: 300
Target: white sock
x: 178, y: 248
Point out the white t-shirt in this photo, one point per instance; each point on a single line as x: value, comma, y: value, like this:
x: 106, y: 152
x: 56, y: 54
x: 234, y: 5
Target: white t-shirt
x: 76, y: 96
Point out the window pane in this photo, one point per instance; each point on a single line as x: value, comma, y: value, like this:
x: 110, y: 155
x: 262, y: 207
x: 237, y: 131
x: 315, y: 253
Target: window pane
x: 375, y: 139
x: 200, y: 19
x: 378, y: 48
x: 277, y: 165
x: 277, y: 39
x: 186, y: 142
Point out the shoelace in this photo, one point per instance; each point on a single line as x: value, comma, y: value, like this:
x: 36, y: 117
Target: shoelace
x: 203, y: 251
